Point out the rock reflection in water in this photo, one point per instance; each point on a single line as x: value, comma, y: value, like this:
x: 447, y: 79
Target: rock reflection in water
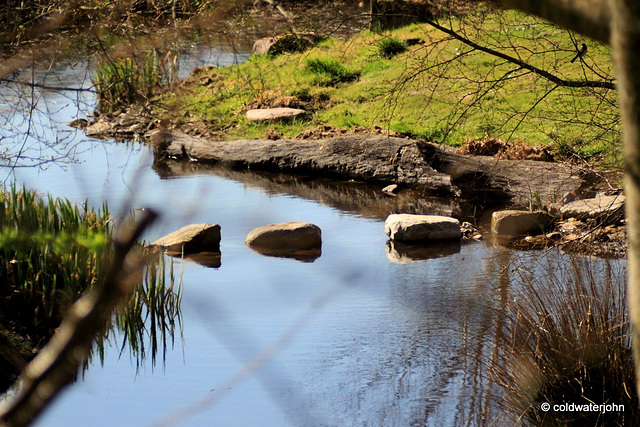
x: 361, y: 199
x: 404, y: 253
x: 306, y: 255
x: 205, y: 259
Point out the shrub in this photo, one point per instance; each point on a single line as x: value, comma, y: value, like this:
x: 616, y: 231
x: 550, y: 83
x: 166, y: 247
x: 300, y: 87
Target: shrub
x: 330, y: 71
x: 390, y: 47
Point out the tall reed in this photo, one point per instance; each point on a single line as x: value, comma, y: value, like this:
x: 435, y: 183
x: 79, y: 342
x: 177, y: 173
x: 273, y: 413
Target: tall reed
x: 52, y: 250
x: 567, y: 340
x: 122, y: 82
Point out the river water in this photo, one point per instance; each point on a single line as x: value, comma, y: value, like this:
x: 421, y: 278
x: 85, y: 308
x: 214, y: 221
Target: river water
x: 353, y: 338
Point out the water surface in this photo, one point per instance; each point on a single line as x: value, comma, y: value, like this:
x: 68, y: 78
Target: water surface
x: 352, y: 338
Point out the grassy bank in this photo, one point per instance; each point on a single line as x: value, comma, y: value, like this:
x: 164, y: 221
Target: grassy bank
x: 417, y: 81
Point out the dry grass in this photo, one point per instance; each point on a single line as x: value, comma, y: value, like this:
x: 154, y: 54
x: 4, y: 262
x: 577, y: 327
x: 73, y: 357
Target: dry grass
x: 567, y: 340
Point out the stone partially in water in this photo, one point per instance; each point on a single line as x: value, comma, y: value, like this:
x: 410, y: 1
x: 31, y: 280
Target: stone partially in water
x: 408, y: 227
x: 299, y: 240
x: 191, y: 239
x: 515, y: 222
x: 286, y: 43
x: 79, y: 123
x: 600, y: 206
x: 391, y: 190
x: 274, y: 114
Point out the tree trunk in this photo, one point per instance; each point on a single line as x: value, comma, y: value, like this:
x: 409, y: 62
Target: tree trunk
x: 625, y: 40
x: 619, y: 19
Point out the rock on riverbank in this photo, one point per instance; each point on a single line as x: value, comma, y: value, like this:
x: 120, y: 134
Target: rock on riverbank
x: 387, y: 160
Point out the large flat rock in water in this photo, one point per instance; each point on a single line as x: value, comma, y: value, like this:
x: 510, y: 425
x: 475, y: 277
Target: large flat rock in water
x: 192, y: 238
x: 385, y: 160
x: 285, y: 239
x: 600, y: 206
x: 407, y: 227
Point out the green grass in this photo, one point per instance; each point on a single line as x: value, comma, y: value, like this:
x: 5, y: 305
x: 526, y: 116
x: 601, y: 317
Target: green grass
x: 329, y: 71
x: 438, y: 89
x: 52, y: 250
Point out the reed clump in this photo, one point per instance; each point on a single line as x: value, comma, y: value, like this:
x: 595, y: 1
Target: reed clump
x: 567, y: 341
x: 51, y: 251
x: 122, y: 82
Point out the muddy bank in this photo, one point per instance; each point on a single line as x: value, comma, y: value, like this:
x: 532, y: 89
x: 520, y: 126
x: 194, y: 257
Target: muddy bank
x: 388, y: 160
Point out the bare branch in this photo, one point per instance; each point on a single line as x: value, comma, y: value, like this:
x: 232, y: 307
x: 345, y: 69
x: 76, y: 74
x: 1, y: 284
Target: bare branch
x: 522, y: 64
x: 46, y: 87
x: 588, y: 17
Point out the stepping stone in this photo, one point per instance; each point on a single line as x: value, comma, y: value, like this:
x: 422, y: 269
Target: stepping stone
x: 515, y: 222
x: 408, y: 227
x: 274, y: 114
x: 191, y: 239
x: 299, y: 240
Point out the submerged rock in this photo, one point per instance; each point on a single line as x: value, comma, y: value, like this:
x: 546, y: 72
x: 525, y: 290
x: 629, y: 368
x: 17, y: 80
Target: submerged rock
x: 408, y: 227
x: 299, y: 240
x: 598, y: 207
x: 191, y: 239
x: 514, y: 222
x: 274, y: 114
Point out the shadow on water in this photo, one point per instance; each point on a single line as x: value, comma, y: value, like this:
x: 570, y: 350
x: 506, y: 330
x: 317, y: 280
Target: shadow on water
x: 361, y: 199
x: 403, y: 253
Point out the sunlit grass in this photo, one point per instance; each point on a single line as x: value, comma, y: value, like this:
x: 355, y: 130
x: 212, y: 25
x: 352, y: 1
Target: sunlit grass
x: 437, y: 89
